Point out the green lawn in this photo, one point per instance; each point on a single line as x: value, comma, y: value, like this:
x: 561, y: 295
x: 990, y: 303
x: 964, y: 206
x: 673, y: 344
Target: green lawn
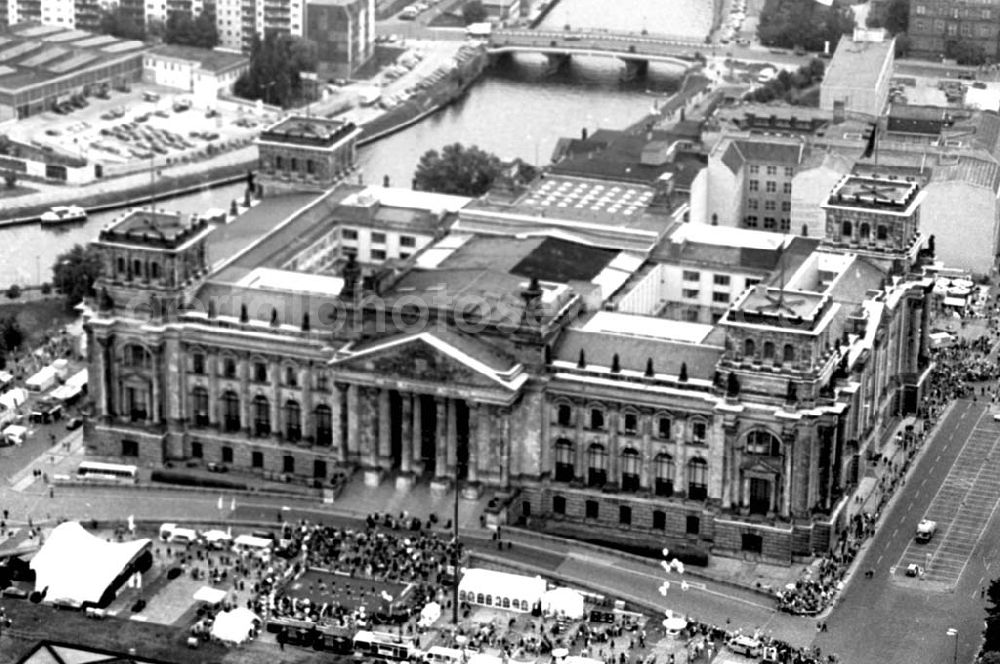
x: 38, y: 318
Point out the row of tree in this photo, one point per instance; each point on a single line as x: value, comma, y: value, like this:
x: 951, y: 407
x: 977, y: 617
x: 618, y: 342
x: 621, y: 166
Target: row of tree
x: 180, y: 27
x: 792, y: 87
x: 809, y: 25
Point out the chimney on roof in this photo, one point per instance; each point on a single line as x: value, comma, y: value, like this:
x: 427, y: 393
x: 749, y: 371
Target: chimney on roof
x: 838, y: 112
x: 583, y: 134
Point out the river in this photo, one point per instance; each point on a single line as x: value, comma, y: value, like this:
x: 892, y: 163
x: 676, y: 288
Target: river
x: 679, y: 18
x: 514, y: 111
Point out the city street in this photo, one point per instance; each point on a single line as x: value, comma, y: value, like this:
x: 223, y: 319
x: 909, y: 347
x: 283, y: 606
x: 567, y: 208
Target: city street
x: 892, y: 619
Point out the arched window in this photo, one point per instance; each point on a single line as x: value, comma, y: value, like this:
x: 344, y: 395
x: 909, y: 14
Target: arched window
x: 120, y: 265
x: 293, y: 421
x: 261, y: 416
x: 631, y: 463
x: 564, y: 415
x: 768, y: 350
x: 763, y: 442
x: 565, y: 458
x: 324, y: 425
x: 230, y: 411
x: 137, y: 357
x: 199, y: 406
x: 597, y: 465
x: 788, y: 354
x: 697, y: 479
x: 664, y: 475
x: 847, y: 229
x: 155, y: 269
x: 749, y: 348
x: 137, y: 268
x: 864, y: 231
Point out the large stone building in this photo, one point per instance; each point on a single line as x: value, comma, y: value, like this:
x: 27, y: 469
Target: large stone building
x: 489, y: 358
x: 948, y: 28
x: 859, y: 73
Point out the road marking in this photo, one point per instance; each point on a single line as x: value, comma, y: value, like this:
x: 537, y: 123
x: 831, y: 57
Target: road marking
x: 878, y: 561
x: 923, y: 482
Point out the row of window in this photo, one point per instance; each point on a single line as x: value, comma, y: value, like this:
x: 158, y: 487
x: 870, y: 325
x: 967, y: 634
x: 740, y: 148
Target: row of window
x: 768, y: 351
x: 258, y: 372
x: 378, y: 237
x: 694, y: 294
x: 260, y: 415
x: 772, y: 170
x: 630, y: 423
x: 592, y: 510
x: 257, y: 460
x: 864, y: 231
x: 631, y: 464
x: 982, y: 31
x: 770, y: 186
x: 770, y: 205
x: 972, y: 13
x: 717, y: 279
x: 770, y: 223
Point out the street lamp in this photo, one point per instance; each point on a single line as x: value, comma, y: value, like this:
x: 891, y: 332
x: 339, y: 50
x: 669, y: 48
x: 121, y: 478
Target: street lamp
x: 954, y: 633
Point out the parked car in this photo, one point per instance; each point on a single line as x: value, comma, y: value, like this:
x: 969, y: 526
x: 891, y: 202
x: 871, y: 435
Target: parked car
x: 139, y: 605
x: 211, y: 113
x: 150, y: 96
x: 74, y: 423
x: 214, y: 467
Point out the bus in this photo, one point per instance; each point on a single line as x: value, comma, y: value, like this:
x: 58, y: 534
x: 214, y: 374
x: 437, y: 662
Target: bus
x: 113, y: 472
x: 388, y: 646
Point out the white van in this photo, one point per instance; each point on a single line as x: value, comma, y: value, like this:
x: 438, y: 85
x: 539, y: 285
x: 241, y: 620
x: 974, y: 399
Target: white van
x: 744, y: 645
x: 254, y: 546
x: 14, y: 434
x: 171, y: 532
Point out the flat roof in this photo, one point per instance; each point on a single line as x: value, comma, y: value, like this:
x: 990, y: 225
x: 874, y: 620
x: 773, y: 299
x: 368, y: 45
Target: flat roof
x: 208, y: 59
x: 857, y: 64
x: 302, y: 130
x: 407, y: 198
x: 726, y: 236
x: 874, y: 193
x: 288, y: 281
x: 647, y: 326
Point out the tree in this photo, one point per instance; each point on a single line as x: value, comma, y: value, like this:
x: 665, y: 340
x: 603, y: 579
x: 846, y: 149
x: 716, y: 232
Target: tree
x: 792, y: 23
x: 474, y: 12
x: 990, y: 657
x: 181, y: 28
x: 74, y: 273
x: 276, y: 63
x: 118, y: 22
x: 895, y: 18
x: 991, y: 633
x: 11, y: 334
x: 965, y: 52
x: 13, y: 292
x: 457, y: 170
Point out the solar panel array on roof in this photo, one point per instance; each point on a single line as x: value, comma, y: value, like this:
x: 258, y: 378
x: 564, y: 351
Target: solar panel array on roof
x: 97, y: 40
x: 18, y: 51
x: 69, y: 35
x: 41, y: 58
x: 589, y: 196
x: 72, y: 63
x: 37, y: 30
x: 122, y: 46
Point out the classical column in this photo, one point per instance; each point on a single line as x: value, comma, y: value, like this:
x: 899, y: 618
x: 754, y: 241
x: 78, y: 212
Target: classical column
x: 451, y: 444
x: 482, y: 445
x: 384, y: 429
x: 505, y: 450
x: 646, y: 471
x: 580, y: 444
x: 406, y: 434
x: 614, y: 454
x: 440, y: 437
x: 274, y: 373
x: 730, y: 474
x: 214, y: 403
x: 244, y: 372
x: 102, y: 395
x: 308, y: 427
x: 154, y: 413
x: 417, y: 442
x: 337, y: 439
x: 786, y: 497
x: 472, y: 474
x: 745, y: 492
x: 353, y: 405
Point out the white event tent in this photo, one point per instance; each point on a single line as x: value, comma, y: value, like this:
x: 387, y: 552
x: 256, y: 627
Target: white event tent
x: 500, y: 590
x: 75, y: 567
x: 564, y: 602
x: 235, y: 626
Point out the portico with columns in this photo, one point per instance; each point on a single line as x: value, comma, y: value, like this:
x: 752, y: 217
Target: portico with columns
x: 434, y: 405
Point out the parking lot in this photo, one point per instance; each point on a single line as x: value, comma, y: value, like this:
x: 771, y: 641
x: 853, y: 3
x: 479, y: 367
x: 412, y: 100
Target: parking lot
x: 962, y: 508
x: 146, y: 122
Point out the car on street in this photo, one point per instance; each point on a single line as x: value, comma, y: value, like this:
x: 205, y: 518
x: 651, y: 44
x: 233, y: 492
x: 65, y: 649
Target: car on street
x: 74, y: 423
x: 914, y: 570
x: 150, y: 96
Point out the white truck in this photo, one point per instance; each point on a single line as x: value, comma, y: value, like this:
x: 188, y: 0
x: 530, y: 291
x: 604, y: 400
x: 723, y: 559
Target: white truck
x: 925, y: 530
